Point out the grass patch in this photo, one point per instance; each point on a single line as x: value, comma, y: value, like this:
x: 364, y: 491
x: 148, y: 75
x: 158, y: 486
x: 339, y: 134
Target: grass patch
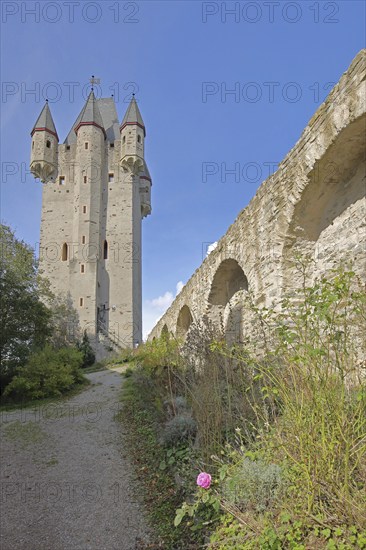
x: 26, y: 433
x: 97, y: 367
x: 37, y: 403
x: 157, y: 487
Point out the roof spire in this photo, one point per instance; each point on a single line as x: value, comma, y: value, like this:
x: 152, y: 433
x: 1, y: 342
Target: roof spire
x: 133, y: 115
x: 45, y: 122
x: 90, y: 115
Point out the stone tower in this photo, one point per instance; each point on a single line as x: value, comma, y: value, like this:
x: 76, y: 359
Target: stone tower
x: 96, y: 191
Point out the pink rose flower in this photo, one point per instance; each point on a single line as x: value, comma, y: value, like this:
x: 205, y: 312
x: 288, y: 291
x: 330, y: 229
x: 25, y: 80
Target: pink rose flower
x: 204, y: 480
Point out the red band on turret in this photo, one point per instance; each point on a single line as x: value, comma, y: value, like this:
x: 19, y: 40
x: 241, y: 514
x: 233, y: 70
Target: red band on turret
x: 133, y: 124
x: 90, y: 124
x: 44, y: 130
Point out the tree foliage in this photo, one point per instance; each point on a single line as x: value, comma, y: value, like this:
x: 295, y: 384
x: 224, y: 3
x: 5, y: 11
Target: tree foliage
x: 48, y: 373
x: 65, y: 321
x: 87, y: 351
x: 25, y: 320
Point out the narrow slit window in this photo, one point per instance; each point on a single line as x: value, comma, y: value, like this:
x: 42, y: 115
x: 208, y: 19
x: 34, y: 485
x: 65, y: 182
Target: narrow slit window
x: 48, y: 144
x: 124, y: 139
x: 81, y: 302
x: 64, y: 252
x: 84, y: 209
x: 86, y: 145
x: 61, y: 180
x: 82, y: 268
x: 32, y: 144
x: 83, y: 239
x: 85, y: 179
x: 139, y: 138
x: 105, y: 250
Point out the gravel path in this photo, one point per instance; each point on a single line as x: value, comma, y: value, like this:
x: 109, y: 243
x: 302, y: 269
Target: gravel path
x: 66, y: 483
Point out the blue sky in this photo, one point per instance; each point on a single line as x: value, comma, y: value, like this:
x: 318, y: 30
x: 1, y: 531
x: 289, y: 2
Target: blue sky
x: 225, y: 90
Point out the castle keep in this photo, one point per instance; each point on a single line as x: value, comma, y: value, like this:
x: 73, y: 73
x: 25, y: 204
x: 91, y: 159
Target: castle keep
x: 96, y: 192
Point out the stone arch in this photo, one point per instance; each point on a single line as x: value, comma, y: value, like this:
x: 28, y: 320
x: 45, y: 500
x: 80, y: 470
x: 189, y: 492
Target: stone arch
x: 165, y: 331
x: 327, y: 207
x: 184, y: 321
x: 228, y: 280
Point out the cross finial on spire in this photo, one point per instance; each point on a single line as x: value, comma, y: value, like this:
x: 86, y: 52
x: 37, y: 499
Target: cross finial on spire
x: 93, y: 81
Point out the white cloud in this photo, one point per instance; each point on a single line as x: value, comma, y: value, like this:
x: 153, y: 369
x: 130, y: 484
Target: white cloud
x: 211, y: 248
x: 163, y: 302
x: 154, y: 309
x: 179, y: 287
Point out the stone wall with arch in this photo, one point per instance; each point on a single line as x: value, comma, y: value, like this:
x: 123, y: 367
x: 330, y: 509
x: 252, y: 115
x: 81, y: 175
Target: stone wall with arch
x: 314, y: 204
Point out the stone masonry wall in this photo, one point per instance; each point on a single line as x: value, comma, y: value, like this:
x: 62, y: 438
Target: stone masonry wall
x: 314, y: 203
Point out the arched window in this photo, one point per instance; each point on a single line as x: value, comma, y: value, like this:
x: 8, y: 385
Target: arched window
x: 184, y: 321
x: 105, y: 250
x: 64, y: 252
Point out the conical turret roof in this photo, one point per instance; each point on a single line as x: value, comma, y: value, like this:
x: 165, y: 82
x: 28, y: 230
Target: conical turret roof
x: 45, y: 122
x: 90, y: 115
x: 133, y: 116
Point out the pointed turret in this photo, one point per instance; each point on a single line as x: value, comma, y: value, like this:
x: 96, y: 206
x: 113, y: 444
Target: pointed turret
x: 45, y: 122
x: 90, y: 115
x: 133, y: 116
x: 44, y: 153
x: 132, y: 139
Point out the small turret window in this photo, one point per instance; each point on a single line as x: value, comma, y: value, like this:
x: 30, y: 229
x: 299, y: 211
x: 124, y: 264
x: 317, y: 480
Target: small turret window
x: 84, y: 209
x: 67, y: 147
x: 64, y: 252
x: 61, y: 180
x: 81, y: 302
x: 48, y: 144
x: 83, y: 239
x: 86, y: 145
x: 111, y: 145
x: 110, y: 177
x: 105, y: 250
x: 82, y: 268
x: 139, y: 138
x: 32, y: 144
x: 85, y: 179
x: 124, y: 139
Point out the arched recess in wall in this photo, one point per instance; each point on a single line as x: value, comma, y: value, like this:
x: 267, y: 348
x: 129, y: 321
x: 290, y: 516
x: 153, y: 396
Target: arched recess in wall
x: 164, y: 332
x: 184, y: 321
x: 328, y: 217
x: 228, y: 281
x: 64, y: 252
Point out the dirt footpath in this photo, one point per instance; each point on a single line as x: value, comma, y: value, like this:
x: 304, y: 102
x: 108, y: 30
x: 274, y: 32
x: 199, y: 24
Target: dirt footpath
x: 66, y: 483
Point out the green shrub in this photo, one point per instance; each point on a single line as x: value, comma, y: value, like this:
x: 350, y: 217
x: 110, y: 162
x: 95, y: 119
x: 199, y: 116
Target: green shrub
x: 48, y: 373
x: 178, y: 429
x: 87, y: 351
x: 253, y: 484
